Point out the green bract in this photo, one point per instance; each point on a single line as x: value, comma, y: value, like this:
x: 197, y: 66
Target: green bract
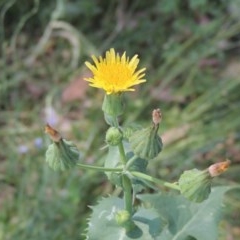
x: 129, y: 130
x: 113, y: 105
x: 62, y: 155
x: 146, y: 143
x: 195, y: 185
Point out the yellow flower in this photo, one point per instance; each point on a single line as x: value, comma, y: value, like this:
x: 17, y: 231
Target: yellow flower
x: 115, y: 74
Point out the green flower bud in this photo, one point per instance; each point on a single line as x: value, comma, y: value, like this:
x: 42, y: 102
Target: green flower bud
x: 122, y: 217
x: 62, y: 155
x: 113, y: 136
x: 195, y: 185
x: 146, y: 143
x: 113, y: 105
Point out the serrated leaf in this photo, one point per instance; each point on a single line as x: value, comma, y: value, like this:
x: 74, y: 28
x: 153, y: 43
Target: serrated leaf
x: 151, y: 218
x: 102, y: 223
x: 188, y: 220
x: 103, y: 217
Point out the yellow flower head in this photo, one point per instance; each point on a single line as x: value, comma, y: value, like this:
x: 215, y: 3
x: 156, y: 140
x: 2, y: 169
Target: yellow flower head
x: 114, y: 73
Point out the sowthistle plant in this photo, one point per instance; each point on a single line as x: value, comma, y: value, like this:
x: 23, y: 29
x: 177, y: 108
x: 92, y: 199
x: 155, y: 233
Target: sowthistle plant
x: 192, y: 214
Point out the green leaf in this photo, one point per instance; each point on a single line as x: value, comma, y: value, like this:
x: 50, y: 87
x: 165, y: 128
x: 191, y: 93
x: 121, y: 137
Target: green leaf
x: 195, y: 4
x: 168, y: 6
x: 113, y: 160
x: 103, y: 225
x: 152, y: 219
x: 188, y: 220
x: 139, y: 165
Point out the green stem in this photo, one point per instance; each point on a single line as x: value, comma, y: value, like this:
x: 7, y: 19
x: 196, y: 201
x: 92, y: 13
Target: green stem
x: 127, y: 185
x: 103, y: 169
x: 122, y: 153
x: 155, y: 180
x: 115, y: 122
x: 127, y: 188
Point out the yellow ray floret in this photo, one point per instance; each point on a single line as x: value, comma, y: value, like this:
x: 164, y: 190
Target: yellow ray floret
x: 115, y: 73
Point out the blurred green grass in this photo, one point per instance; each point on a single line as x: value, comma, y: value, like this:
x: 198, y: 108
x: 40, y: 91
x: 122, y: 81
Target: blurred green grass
x: 191, y: 51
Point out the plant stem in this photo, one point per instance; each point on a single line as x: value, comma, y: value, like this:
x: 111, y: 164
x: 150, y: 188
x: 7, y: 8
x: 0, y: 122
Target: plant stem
x: 122, y: 153
x: 127, y: 188
x: 127, y: 185
x: 155, y: 180
x: 103, y: 169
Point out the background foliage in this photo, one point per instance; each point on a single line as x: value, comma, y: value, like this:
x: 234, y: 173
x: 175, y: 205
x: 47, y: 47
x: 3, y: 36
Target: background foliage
x: 191, y: 51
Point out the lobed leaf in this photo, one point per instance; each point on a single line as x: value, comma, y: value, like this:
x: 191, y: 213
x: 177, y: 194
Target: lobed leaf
x: 102, y: 223
x: 188, y: 220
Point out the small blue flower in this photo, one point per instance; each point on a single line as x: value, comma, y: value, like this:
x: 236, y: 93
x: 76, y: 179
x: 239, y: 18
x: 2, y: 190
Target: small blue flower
x: 22, y: 149
x: 38, y: 142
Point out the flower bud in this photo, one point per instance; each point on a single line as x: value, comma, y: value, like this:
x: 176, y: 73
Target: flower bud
x: 113, y: 136
x: 218, y: 168
x: 62, y: 155
x: 195, y: 185
x: 146, y: 143
x: 122, y: 217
